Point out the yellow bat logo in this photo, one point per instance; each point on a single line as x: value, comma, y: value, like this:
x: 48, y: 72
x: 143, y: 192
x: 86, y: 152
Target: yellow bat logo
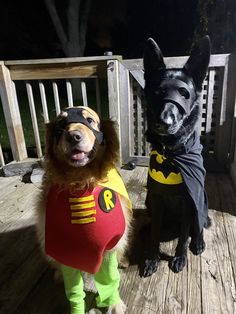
x: 162, y: 170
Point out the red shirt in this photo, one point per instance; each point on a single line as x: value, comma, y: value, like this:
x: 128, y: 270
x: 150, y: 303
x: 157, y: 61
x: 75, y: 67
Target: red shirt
x: 81, y: 225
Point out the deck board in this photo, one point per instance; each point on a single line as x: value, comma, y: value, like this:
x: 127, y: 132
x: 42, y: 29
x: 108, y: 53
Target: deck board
x: 206, y: 285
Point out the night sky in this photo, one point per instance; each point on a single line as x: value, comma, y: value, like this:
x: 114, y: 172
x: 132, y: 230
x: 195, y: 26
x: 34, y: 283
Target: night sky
x: 122, y: 26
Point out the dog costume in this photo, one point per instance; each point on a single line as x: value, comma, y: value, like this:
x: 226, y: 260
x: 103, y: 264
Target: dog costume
x: 83, y: 226
x: 172, y: 171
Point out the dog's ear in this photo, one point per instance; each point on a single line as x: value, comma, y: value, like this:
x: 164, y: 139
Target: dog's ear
x: 198, y: 62
x: 111, y: 141
x: 152, y: 59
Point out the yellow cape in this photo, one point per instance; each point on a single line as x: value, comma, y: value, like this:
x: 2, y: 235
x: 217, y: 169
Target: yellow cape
x: 115, y: 183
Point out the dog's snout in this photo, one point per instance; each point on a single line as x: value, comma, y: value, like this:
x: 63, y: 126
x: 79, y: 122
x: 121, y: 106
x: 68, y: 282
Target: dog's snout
x: 74, y: 136
x: 165, y: 120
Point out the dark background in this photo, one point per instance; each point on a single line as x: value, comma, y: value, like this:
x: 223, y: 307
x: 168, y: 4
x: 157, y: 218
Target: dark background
x: 27, y: 32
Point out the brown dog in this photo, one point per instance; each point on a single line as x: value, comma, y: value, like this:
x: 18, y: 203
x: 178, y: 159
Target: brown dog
x: 84, y: 212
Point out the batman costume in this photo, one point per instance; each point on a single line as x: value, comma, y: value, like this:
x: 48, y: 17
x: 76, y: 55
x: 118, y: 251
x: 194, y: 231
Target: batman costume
x: 174, y: 172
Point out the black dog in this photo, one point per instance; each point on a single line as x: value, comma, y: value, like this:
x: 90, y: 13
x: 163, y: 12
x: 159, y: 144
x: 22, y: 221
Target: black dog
x: 176, y: 198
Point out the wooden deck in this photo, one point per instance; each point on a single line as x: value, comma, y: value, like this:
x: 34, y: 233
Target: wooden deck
x: 206, y: 285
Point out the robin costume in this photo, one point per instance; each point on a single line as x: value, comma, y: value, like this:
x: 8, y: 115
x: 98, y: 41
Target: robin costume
x: 81, y: 226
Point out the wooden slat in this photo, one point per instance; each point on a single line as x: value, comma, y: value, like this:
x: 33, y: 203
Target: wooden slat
x: 131, y: 116
x: 61, y: 61
x: 139, y: 124
x: 69, y: 93
x: 34, y: 119
x: 2, y: 161
x: 98, y: 97
x: 176, y: 62
x: 56, y: 97
x: 12, y: 115
x: 44, y: 102
x: 139, y: 76
x: 209, y: 108
x: 84, y: 94
x: 52, y: 72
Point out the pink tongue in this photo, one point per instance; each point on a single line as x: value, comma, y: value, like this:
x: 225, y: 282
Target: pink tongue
x: 78, y: 156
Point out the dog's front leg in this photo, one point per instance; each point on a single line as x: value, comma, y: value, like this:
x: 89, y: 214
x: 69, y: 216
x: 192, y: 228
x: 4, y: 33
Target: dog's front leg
x: 197, y: 244
x: 151, y: 263
x: 179, y: 261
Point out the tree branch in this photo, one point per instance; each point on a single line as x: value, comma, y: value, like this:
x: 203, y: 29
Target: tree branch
x: 73, y: 26
x: 84, y: 24
x: 50, y: 4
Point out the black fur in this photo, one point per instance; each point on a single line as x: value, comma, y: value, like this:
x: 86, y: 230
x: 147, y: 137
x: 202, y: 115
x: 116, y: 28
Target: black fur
x: 173, y: 108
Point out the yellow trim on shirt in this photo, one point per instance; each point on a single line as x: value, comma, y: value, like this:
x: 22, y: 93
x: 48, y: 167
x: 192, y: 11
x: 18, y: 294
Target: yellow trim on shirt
x: 83, y: 213
x: 81, y: 199
x: 82, y: 206
x: 83, y: 220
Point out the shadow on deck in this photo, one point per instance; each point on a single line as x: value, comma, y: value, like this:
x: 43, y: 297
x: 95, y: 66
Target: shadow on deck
x: 206, y: 285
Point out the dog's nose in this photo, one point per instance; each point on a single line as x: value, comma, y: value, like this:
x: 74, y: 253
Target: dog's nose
x: 164, y: 122
x: 166, y: 118
x: 74, y: 136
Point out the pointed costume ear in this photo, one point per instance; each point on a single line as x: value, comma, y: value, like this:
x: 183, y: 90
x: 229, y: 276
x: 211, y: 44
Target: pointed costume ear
x: 198, y: 62
x: 152, y: 59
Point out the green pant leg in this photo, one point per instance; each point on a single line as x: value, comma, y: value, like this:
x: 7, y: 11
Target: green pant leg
x: 73, y: 283
x: 107, y: 281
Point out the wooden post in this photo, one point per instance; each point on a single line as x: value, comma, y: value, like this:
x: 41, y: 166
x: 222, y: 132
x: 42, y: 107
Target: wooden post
x: 125, y: 114
x: 114, y: 94
x: 12, y: 114
x: 225, y: 145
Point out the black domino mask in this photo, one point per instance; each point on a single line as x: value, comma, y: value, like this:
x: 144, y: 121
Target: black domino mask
x: 75, y: 115
x: 179, y: 93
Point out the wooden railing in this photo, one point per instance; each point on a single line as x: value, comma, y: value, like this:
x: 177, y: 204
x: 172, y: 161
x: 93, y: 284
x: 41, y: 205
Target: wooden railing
x: 217, y: 122
x: 45, y: 77
x: 122, y: 98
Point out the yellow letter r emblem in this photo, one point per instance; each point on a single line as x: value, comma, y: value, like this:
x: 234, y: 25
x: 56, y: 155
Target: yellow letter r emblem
x: 107, y: 199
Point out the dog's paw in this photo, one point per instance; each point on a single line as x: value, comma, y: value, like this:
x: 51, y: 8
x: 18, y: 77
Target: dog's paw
x: 177, y: 263
x: 197, y: 246
x: 150, y: 267
x: 94, y: 311
x: 119, y: 308
x: 124, y: 262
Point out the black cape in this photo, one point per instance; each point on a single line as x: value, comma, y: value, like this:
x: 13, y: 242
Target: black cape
x: 189, y: 162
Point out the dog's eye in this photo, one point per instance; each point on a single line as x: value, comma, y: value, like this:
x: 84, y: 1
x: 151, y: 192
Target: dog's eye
x: 183, y: 92
x: 90, y: 120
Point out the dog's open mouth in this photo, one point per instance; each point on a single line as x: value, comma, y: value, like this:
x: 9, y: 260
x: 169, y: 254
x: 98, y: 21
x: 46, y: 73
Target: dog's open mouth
x: 79, y: 157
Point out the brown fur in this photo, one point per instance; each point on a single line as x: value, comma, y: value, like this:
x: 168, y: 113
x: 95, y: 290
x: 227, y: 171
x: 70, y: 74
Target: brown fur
x: 59, y: 171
